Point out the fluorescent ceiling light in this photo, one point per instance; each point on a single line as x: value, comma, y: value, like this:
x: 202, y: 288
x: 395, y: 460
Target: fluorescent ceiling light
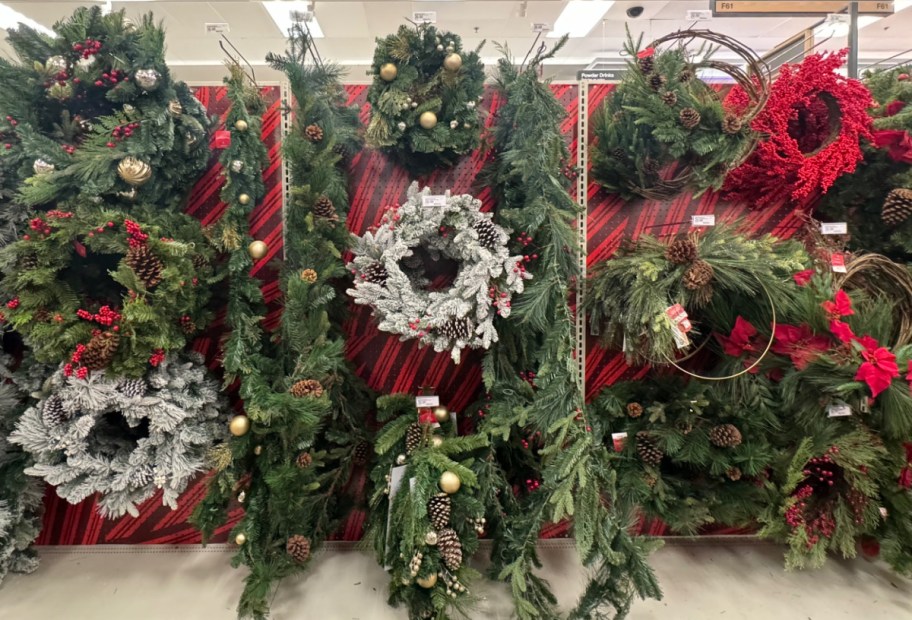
x: 579, y: 17
x: 10, y: 18
x: 286, y: 14
x: 901, y: 5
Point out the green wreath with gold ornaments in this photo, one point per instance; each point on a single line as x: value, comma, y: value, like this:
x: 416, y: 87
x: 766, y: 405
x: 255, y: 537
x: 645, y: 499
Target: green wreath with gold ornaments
x: 96, y: 289
x: 424, y: 98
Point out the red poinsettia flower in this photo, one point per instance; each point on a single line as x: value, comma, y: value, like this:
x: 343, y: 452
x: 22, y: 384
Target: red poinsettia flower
x: 841, y: 306
x: 868, y: 342
x: 740, y: 340
x: 646, y: 53
x: 894, y: 107
x: 799, y: 343
x: 878, y: 369
x: 803, y: 277
x: 842, y: 331
x: 898, y: 144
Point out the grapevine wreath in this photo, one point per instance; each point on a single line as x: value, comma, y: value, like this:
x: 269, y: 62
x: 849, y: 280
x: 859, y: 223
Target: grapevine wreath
x: 96, y: 289
x: 814, y: 121
x: 389, y: 274
x: 424, y: 98
x: 123, y: 438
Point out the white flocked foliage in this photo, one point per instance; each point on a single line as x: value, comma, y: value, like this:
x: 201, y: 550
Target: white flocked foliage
x: 487, y: 272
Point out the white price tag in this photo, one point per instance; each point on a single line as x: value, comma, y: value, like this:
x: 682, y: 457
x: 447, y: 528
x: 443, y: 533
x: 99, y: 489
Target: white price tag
x: 680, y: 338
x: 541, y: 27
x: 433, y: 200
x: 838, y: 410
x: 834, y: 228
x: 707, y: 219
x: 423, y: 402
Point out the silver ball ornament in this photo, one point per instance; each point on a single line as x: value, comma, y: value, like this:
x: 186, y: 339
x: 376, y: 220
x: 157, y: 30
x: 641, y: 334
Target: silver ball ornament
x: 148, y: 79
x: 237, y: 165
x: 401, y: 126
x: 56, y: 64
x: 400, y: 460
x: 42, y: 167
x: 439, y: 47
x: 454, y: 124
x: 471, y: 105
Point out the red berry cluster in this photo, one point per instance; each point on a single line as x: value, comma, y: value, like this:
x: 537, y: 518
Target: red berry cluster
x: 137, y: 236
x: 532, y: 484
x: 105, y: 316
x: 499, y: 300
x: 76, y: 358
x: 69, y: 149
x: 158, y: 356
x: 40, y: 226
x: 13, y: 303
x: 416, y: 326
x: 63, y: 215
x: 109, y: 79
x: 528, y: 377
x: 87, y: 48
x: 533, y: 439
x: 100, y: 229
x: 82, y: 372
x: 122, y: 132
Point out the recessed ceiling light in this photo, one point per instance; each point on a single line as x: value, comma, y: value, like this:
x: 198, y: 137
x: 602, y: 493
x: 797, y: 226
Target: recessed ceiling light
x: 579, y: 17
x: 286, y: 14
x: 11, y: 18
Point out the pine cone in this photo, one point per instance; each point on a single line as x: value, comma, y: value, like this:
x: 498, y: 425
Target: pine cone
x: 686, y: 75
x: 145, y: 264
x: 619, y: 153
x: 200, y: 262
x: 27, y: 262
x: 100, y: 350
x: 488, y: 235
x: 670, y: 98
x: 646, y: 64
x: 438, y: 510
x: 897, y: 207
x: 457, y: 329
x: 313, y: 133
x: 324, y: 208
x: 140, y: 477
x: 53, y: 412
x: 656, y: 81
x: 361, y: 453
x: 648, y: 448
x: 309, y: 276
x: 307, y: 387
x: 634, y: 410
x: 298, y: 547
x: 725, y: 436
x: 698, y: 275
x: 651, y: 166
x: 413, y: 437
x: 689, y: 118
x: 304, y: 460
x: 133, y: 388
x: 682, y: 251
x: 450, y: 548
x: 375, y: 273
x: 733, y: 473
x: 731, y: 124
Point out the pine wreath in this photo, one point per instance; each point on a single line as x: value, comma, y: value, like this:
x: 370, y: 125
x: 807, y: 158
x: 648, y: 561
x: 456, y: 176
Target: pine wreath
x: 122, y: 445
x: 451, y: 319
x: 123, y: 291
x: 424, y: 98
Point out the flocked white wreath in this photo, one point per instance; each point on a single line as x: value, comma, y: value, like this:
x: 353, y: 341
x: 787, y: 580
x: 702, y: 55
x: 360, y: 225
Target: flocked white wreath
x: 123, y: 438
x: 389, y: 278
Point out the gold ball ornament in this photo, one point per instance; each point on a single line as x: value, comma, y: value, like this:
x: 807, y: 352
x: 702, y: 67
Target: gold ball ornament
x: 441, y: 414
x: 428, y: 120
x: 244, y: 199
x: 257, y: 249
x: 134, y: 171
x: 436, y: 441
x: 388, y: 72
x: 241, y: 125
x: 239, y: 425
x: 453, y: 62
x: 430, y: 538
x: 427, y: 582
x: 240, y: 539
x: 449, y: 482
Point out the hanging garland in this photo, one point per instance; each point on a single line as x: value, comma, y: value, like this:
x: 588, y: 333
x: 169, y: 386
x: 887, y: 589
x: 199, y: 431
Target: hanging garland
x: 97, y: 289
x: 389, y: 274
x: 424, y: 98
x: 815, y: 121
x: 123, y: 438
x: 663, y: 129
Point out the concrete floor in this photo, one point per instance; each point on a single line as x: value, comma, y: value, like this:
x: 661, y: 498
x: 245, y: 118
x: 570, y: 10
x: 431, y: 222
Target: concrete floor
x: 734, y: 580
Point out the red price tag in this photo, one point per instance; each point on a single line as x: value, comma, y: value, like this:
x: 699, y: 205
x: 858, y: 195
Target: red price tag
x: 221, y: 139
x: 426, y: 416
x: 678, y: 315
x: 838, y: 262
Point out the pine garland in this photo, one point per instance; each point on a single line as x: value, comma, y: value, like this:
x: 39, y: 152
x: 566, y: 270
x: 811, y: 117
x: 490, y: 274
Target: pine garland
x: 424, y: 98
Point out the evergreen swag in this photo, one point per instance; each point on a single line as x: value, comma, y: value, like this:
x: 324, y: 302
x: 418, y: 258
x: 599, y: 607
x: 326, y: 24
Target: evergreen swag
x: 709, y: 274
x: 566, y: 471
x: 78, y: 105
x: 460, y: 316
x: 293, y: 502
x: 419, y: 533
x: 424, y: 98
x: 124, y: 439
x: 655, y: 118
x: 96, y: 288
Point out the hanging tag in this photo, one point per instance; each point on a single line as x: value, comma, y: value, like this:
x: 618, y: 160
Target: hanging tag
x: 834, y: 228
x: 618, y: 440
x: 839, y: 409
x: 838, y: 262
x: 427, y: 400
x: 707, y: 219
x: 221, y: 139
x: 433, y: 200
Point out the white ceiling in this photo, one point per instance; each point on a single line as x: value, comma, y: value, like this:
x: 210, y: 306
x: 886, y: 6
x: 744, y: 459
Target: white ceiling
x: 351, y: 27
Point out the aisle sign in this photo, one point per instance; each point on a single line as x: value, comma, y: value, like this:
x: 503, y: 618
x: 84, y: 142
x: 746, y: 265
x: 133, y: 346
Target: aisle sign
x: 600, y: 75
x: 424, y: 17
x: 747, y: 8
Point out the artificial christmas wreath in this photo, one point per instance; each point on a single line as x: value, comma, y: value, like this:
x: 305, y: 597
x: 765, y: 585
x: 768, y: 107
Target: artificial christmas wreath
x: 123, y: 438
x: 389, y: 274
x: 662, y: 129
x: 96, y: 289
x: 424, y: 97
x: 814, y: 122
